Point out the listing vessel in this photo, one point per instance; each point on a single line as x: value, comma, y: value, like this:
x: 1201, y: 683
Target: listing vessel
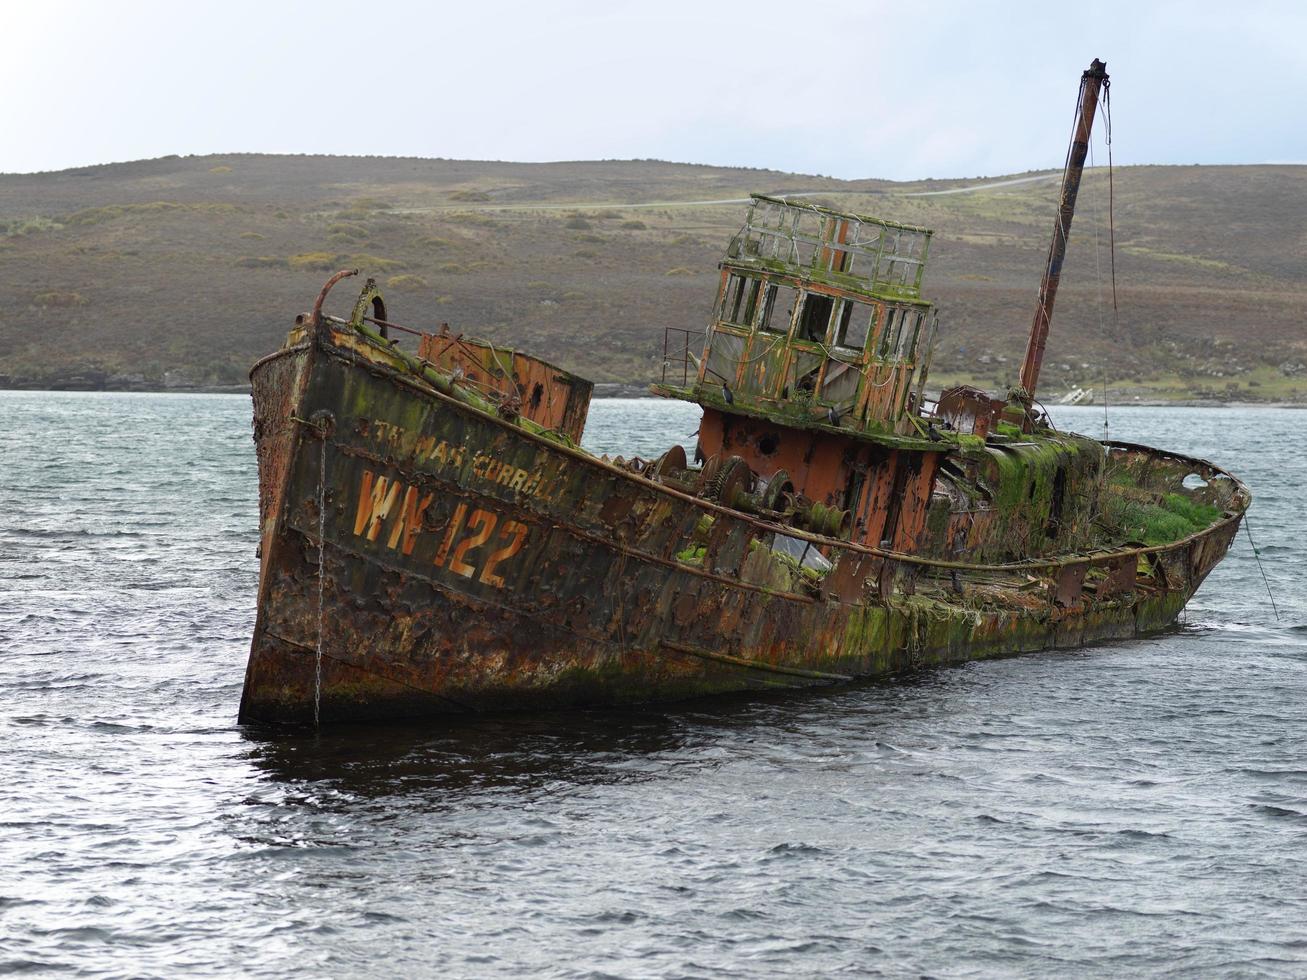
x: 434, y: 540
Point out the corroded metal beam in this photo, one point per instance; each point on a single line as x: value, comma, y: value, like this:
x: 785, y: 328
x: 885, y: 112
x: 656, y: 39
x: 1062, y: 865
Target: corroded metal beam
x: 1091, y: 83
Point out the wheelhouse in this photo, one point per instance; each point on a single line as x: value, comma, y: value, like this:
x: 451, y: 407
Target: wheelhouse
x: 813, y: 367
x: 819, y: 315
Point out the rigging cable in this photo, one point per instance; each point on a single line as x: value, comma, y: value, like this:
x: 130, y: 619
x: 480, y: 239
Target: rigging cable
x: 1098, y: 278
x: 1257, y: 556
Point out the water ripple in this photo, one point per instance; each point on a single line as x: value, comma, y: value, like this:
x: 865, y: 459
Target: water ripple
x: 1128, y: 808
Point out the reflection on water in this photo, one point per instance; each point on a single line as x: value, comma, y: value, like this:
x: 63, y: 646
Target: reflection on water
x: 1126, y: 808
x: 463, y: 757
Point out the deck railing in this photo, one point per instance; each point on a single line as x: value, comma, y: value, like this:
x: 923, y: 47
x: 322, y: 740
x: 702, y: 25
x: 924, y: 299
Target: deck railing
x: 677, y: 355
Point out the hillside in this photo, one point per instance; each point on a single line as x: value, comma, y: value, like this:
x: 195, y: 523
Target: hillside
x: 183, y: 271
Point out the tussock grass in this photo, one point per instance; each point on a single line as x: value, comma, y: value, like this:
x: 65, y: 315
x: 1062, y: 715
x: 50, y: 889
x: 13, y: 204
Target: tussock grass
x: 1197, y: 513
x: 316, y: 261
x: 112, y: 212
x: 406, y: 281
x: 331, y: 261
x: 59, y: 299
x: 475, y: 218
x: 344, y: 231
x: 17, y: 227
x: 367, y: 263
x: 1175, y: 517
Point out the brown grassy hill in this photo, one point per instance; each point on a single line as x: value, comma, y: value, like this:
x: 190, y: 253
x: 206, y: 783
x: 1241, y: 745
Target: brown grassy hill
x: 186, y: 270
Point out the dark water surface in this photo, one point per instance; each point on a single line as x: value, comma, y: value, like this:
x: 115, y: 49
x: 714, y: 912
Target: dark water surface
x: 1130, y: 808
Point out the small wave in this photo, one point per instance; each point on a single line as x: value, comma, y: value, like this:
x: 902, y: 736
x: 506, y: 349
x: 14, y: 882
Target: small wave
x: 800, y: 848
x: 1278, y: 812
x: 1134, y: 833
x: 95, y: 934
x: 71, y: 535
x: 743, y: 915
x: 1230, y: 627
x: 117, y: 728
x: 1270, y: 775
x: 30, y: 721
x: 375, y: 915
x: 34, y: 966
x: 624, y: 917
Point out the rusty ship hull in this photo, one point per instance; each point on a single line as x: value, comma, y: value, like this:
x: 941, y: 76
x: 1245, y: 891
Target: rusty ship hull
x: 422, y: 557
x: 435, y: 541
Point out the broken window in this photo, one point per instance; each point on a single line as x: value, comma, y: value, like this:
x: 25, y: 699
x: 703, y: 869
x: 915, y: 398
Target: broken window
x: 838, y: 232
x: 804, y: 368
x: 764, y: 367
x: 908, y: 334
x: 740, y: 300
x: 839, y: 387
x: 854, y: 324
x: 723, y: 358
x: 889, y: 334
x: 751, y: 299
x: 898, y: 340
x: 901, y: 257
x: 809, y: 242
x: 814, y: 317
x: 778, y: 308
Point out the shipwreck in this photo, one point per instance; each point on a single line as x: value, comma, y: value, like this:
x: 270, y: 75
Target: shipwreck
x: 434, y: 540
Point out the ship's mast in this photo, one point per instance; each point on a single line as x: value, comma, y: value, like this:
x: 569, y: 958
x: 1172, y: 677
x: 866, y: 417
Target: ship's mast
x: 1091, y: 83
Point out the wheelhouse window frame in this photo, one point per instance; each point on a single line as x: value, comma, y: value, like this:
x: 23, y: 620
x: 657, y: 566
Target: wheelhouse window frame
x: 767, y: 322
x: 845, y: 320
x: 900, y: 333
x: 739, y: 303
x: 812, y: 322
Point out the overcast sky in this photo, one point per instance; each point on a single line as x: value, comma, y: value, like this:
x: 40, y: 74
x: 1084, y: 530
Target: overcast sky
x: 905, y: 89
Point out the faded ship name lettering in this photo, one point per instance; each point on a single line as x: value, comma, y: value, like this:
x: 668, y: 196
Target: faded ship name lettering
x: 438, y: 453
x: 467, y: 545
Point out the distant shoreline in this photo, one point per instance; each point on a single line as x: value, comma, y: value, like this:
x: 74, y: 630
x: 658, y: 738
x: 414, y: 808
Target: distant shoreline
x: 177, y: 274
x: 614, y: 390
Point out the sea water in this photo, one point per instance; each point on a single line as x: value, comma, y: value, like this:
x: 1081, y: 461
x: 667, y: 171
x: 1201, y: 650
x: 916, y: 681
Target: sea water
x: 1130, y: 807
